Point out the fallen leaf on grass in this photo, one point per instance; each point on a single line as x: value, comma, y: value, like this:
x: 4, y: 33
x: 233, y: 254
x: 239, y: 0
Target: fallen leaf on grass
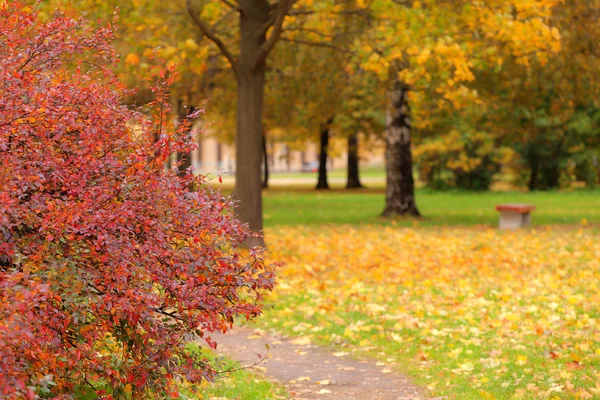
x: 340, y: 354
x: 301, y: 341
x: 427, y: 297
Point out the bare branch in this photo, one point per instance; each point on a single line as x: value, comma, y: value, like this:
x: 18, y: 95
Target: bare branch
x: 315, y: 44
x: 223, y: 19
x: 335, y: 35
x: 302, y: 12
x: 234, y: 367
x: 212, y: 36
x: 230, y: 4
x: 341, y: 12
x: 404, y: 3
x: 313, y: 31
x: 283, y: 7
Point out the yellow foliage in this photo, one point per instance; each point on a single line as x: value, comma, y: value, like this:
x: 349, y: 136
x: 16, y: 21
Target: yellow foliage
x: 478, y: 305
x: 132, y: 59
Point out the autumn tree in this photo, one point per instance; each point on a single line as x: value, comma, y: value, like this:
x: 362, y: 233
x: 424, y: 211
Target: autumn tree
x: 109, y: 264
x: 309, y: 112
x: 148, y: 30
x: 309, y: 79
x: 434, y: 47
x: 360, y: 117
x: 535, y: 119
x: 259, y: 29
x: 547, y: 109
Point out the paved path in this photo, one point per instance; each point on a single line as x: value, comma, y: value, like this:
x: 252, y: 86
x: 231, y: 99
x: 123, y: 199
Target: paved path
x: 312, y: 372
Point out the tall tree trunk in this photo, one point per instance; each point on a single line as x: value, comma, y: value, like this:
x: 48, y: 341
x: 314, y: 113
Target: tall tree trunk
x: 353, y: 179
x: 184, y: 160
x: 533, y: 162
x: 400, y: 184
x: 271, y: 154
x: 552, y: 167
x: 250, y: 91
x: 322, y: 182
x: 265, y: 182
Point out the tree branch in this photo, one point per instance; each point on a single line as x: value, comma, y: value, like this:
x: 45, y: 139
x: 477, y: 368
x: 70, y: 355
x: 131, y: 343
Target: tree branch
x: 313, y: 31
x: 302, y: 12
x: 234, y: 367
x: 315, y: 44
x: 342, y: 12
x: 214, y: 26
x: 230, y: 4
x: 212, y: 36
x: 283, y: 7
x: 404, y: 3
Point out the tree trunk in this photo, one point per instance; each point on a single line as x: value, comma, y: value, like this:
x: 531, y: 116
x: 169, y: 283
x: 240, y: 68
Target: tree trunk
x: 545, y: 170
x: 400, y: 184
x: 353, y: 179
x: 250, y: 88
x: 265, y: 182
x: 184, y: 160
x: 271, y: 155
x: 533, y: 178
x: 322, y: 182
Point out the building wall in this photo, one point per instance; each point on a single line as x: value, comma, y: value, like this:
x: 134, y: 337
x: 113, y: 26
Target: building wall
x: 214, y: 157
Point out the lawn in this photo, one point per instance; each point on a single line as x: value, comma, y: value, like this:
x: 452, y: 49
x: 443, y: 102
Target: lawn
x: 307, y: 207
x: 470, y: 313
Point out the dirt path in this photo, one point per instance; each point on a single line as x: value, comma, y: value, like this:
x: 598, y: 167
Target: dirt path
x: 312, y: 372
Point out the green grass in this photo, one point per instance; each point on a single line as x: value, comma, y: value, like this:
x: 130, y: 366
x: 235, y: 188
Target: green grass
x: 243, y: 385
x: 239, y: 384
x: 304, y: 206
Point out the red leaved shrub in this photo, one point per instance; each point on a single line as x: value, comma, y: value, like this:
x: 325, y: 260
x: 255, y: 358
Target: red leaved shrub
x: 109, y: 264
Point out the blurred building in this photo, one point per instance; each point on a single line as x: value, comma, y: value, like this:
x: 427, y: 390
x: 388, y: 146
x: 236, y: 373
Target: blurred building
x: 212, y: 156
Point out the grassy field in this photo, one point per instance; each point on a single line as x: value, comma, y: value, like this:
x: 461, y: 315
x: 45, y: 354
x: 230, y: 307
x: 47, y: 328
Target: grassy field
x: 304, y: 206
x: 469, y: 312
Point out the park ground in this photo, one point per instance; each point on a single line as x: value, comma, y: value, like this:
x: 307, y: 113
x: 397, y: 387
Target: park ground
x: 466, y: 310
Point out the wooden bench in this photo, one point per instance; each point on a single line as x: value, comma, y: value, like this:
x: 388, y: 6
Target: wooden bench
x: 514, y: 216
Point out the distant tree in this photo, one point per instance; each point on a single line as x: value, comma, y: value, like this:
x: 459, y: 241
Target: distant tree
x: 547, y: 109
x: 428, y: 52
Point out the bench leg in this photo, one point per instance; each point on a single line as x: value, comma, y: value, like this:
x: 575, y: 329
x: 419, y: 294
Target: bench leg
x: 526, y: 219
x: 513, y: 220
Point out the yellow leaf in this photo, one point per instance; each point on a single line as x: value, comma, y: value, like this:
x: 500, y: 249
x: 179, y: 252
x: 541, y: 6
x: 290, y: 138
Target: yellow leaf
x: 132, y: 59
x: 486, y: 395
